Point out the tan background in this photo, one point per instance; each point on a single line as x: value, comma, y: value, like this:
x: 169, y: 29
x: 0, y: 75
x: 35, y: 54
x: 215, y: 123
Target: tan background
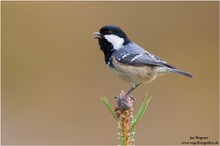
x: 53, y: 73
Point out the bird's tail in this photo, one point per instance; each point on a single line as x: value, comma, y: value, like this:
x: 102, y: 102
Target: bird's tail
x: 177, y: 71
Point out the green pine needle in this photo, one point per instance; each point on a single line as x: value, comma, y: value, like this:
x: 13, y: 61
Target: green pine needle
x: 140, y: 112
x: 110, y: 108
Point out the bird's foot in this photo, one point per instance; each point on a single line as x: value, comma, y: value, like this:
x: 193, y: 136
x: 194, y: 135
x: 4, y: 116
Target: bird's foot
x: 125, y: 101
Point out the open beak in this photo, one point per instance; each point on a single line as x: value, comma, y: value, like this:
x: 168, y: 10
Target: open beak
x: 97, y: 35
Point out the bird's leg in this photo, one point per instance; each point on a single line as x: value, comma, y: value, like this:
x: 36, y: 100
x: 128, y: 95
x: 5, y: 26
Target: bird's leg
x: 123, y: 100
x: 129, y: 91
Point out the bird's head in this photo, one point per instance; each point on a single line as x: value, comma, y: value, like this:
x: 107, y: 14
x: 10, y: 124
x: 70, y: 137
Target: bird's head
x: 111, y: 38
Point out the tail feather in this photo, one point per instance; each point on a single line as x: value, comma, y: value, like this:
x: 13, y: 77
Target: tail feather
x: 177, y: 71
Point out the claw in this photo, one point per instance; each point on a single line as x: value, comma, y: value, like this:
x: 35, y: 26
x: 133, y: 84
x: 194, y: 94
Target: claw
x: 132, y: 97
x: 125, y: 102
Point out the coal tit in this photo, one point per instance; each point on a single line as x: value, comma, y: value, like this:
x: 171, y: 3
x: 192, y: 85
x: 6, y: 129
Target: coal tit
x: 129, y: 61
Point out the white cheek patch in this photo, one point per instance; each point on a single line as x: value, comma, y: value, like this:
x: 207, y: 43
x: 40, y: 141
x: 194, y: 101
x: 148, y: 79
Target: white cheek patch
x: 116, y: 41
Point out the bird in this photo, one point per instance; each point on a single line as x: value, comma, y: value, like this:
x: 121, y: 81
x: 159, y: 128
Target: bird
x: 129, y: 61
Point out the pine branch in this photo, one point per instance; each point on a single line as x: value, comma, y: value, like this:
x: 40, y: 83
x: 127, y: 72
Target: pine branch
x: 127, y: 122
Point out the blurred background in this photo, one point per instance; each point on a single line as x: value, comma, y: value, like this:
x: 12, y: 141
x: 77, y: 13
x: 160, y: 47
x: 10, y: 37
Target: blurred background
x: 53, y: 73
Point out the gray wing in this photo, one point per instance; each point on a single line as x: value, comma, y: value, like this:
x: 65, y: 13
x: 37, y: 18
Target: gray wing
x: 143, y: 59
x: 137, y: 56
